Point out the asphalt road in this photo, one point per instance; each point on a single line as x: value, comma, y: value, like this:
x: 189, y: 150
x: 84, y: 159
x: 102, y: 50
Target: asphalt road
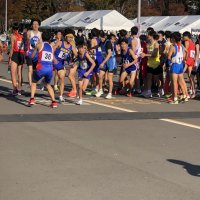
x: 124, y: 148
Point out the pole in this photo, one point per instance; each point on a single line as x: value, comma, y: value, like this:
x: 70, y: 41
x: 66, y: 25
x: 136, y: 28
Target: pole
x: 139, y: 14
x: 6, y: 16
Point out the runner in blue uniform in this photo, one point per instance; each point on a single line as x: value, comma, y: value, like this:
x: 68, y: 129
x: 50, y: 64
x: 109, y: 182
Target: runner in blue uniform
x: 85, y: 70
x: 109, y: 64
x: 129, y: 61
x: 44, y: 68
x: 97, y: 56
x: 58, y: 37
x: 176, y: 61
x: 62, y: 53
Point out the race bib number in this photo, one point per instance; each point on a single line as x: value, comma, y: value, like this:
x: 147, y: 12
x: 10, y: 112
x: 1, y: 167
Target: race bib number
x: 84, y: 65
x: 62, y: 55
x: 126, y: 61
x: 20, y: 45
x: 179, y: 60
x: 192, y: 54
x: 47, y: 56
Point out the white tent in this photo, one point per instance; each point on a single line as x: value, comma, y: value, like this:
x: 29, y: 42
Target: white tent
x: 101, y: 19
x: 170, y: 23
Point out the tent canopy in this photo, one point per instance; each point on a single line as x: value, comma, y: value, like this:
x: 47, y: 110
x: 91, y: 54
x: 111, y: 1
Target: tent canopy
x: 101, y: 19
x: 170, y: 23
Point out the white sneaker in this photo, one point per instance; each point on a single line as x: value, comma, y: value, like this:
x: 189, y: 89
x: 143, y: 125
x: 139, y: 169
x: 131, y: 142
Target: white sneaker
x: 109, y: 96
x: 161, y: 92
x: 79, y: 102
x: 61, y: 99
x: 99, y: 93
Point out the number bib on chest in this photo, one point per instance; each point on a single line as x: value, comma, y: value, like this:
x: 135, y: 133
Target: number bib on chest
x: 126, y: 61
x: 192, y: 54
x: 83, y: 65
x: 63, y: 55
x: 20, y: 45
x: 47, y: 56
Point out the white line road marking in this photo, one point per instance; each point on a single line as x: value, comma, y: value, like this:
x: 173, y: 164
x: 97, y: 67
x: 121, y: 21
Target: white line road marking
x: 4, y: 80
x: 130, y: 111
x: 109, y: 106
x: 180, y: 123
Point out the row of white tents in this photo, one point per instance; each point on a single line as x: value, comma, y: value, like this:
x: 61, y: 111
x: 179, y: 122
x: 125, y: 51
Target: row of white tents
x: 170, y: 23
x: 102, y: 19
x: 111, y: 20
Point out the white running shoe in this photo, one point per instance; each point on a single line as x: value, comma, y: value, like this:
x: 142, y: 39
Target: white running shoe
x: 99, y: 93
x: 61, y: 99
x: 161, y: 92
x: 79, y: 102
x: 109, y: 96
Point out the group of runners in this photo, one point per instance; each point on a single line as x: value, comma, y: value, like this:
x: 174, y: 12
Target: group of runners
x: 148, y: 64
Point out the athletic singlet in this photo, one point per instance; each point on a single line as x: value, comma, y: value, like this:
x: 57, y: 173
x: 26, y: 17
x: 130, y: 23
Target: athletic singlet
x: 153, y: 62
x: 97, y: 51
x: 18, y: 44
x: 138, y: 50
x: 61, y: 54
x: 104, y: 50
x: 191, y: 50
x: 168, y: 44
x: 126, y: 57
x: 34, y: 39
x: 84, y: 64
x: 45, y: 58
x: 177, y: 57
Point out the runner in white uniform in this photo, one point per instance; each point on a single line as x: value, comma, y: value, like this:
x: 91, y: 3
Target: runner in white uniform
x: 137, y: 49
x: 34, y: 37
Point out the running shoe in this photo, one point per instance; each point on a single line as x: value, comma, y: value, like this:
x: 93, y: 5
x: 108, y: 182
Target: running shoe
x: 14, y: 92
x: 122, y: 92
x: 161, y: 92
x: 169, y: 99
x: 31, y: 102
x: 188, y: 96
x: 79, y: 102
x: 193, y: 96
x: 168, y: 96
x: 129, y: 94
x: 99, y: 93
x: 91, y: 93
x: 148, y: 95
x: 40, y: 87
x: 61, y: 99
x: 173, y: 102
x: 56, y: 88
x: 109, y: 96
x: 54, y: 104
x: 143, y: 94
x: 71, y: 94
x: 184, y: 99
x: 19, y: 93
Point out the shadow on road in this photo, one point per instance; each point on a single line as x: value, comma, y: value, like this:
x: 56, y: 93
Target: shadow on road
x: 6, y: 93
x: 193, y: 170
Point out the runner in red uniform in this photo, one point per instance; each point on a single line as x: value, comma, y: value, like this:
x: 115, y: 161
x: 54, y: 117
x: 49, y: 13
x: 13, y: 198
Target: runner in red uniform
x: 190, y: 60
x: 17, y: 59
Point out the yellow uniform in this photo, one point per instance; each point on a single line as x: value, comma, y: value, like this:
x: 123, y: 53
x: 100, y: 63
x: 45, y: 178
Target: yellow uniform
x: 153, y: 62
